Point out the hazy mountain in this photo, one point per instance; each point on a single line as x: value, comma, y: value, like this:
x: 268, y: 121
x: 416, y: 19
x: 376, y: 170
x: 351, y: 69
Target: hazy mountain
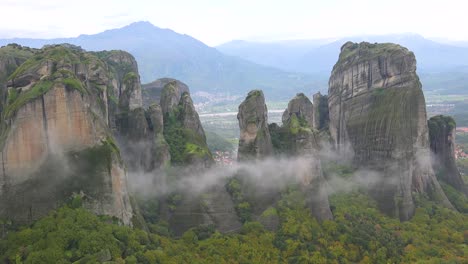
x: 282, y: 54
x: 165, y: 53
x: 442, y: 67
x: 319, y: 56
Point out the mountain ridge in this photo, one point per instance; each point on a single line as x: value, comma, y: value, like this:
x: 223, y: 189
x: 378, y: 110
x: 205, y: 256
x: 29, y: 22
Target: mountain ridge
x: 165, y: 53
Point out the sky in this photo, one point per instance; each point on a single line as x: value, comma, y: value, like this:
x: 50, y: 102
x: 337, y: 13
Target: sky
x: 217, y: 21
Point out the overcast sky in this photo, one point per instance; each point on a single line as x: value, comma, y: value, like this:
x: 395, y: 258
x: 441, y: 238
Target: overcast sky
x: 218, y: 21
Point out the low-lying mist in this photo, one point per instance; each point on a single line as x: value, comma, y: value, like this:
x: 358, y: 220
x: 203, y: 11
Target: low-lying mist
x: 273, y: 173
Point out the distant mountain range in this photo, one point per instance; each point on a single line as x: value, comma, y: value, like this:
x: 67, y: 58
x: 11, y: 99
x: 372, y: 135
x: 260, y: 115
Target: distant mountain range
x: 442, y: 67
x: 317, y: 56
x: 280, y: 68
x: 165, y: 53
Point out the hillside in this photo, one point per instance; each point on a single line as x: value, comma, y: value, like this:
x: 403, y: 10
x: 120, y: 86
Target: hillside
x: 165, y: 53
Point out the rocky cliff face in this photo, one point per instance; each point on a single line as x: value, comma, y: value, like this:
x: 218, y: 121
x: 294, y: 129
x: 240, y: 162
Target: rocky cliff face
x: 139, y: 131
x: 300, y: 106
x: 321, y: 116
x: 187, y: 143
x: 11, y: 57
x: 182, y: 127
x: 126, y: 80
x: 304, y: 142
x: 255, y: 140
x: 171, y: 93
x: 378, y: 118
x: 152, y: 91
x: 55, y: 138
x: 442, y: 141
x: 295, y: 139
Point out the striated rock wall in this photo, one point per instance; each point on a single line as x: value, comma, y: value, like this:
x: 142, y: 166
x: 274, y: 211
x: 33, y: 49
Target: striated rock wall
x: 182, y: 127
x: 321, y: 116
x: 378, y: 119
x: 304, y: 142
x: 153, y: 90
x: 302, y: 107
x: 255, y: 140
x: 442, y: 141
x: 187, y: 143
x: 171, y: 93
x: 55, y: 139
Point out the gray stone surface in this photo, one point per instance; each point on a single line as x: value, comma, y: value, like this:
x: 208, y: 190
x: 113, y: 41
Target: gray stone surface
x: 255, y: 140
x: 378, y: 119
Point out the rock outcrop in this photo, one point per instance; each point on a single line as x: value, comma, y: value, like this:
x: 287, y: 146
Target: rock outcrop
x: 138, y: 130
x: 171, y: 93
x: 152, y: 91
x: 187, y: 143
x: 321, y: 117
x: 295, y: 139
x: 55, y: 138
x: 11, y: 57
x: 255, y: 140
x: 302, y: 107
x: 442, y: 141
x: 182, y: 127
x: 304, y: 143
x: 378, y: 118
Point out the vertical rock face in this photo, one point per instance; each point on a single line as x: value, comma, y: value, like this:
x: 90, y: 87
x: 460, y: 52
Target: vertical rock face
x: 171, y: 93
x: 378, y: 115
x: 304, y: 143
x: 187, y: 143
x: 321, y: 116
x: 300, y: 106
x: 442, y: 138
x: 182, y: 127
x: 126, y: 80
x: 154, y: 89
x: 55, y: 138
x: 255, y: 140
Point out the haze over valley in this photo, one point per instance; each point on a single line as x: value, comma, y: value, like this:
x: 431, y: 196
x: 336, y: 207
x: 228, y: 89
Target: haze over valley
x: 259, y: 132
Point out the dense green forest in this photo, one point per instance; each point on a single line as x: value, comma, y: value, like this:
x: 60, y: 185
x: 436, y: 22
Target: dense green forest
x: 358, y: 234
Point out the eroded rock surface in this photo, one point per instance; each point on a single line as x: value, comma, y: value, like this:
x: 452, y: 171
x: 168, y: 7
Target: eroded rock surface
x: 442, y: 138
x: 304, y: 143
x: 378, y: 119
x: 321, y: 116
x: 153, y: 90
x: 255, y: 140
x: 187, y: 142
x: 56, y: 142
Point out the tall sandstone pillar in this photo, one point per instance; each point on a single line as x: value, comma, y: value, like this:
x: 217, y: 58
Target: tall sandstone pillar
x: 378, y: 119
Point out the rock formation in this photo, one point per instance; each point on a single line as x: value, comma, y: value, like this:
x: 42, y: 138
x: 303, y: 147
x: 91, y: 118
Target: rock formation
x: 302, y: 107
x: 295, y: 138
x: 255, y: 140
x: 171, y: 93
x: 187, y: 142
x: 321, y: 118
x: 378, y: 118
x: 152, y: 91
x: 55, y: 139
x: 182, y: 127
x: 442, y: 141
x: 304, y: 142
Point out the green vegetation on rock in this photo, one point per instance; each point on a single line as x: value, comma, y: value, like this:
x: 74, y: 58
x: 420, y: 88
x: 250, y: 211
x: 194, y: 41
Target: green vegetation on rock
x: 34, y: 92
x: 359, y: 234
x: 438, y: 124
x: 183, y: 143
x: 366, y: 51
